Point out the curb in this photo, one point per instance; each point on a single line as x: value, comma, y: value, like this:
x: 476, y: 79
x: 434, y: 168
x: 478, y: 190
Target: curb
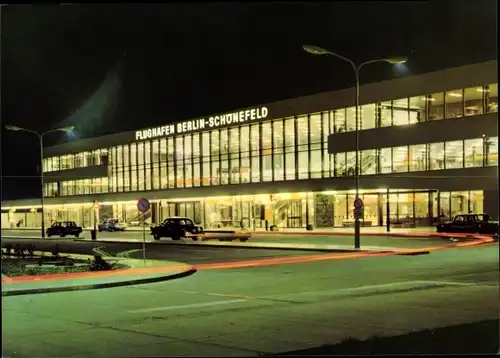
x: 99, y: 285
x: 315, y: 249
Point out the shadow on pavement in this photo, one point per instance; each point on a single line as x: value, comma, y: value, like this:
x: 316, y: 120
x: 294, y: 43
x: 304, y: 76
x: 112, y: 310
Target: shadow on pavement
x: 472, y: 338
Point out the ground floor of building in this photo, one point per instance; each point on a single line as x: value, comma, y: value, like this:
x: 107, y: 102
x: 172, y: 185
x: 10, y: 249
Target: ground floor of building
x: 400, y: 208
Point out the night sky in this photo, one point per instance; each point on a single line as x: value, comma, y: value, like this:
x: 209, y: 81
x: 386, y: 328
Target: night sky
x: 112, y: 68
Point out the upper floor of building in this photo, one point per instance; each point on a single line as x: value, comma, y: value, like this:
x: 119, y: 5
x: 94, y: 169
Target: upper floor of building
x: 306, y: 122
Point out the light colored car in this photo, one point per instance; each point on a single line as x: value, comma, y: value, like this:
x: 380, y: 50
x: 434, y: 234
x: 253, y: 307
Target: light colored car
x: 112, y: 225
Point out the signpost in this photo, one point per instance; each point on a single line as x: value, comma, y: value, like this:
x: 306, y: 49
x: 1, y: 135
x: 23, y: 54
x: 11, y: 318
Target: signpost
x: 143, y: 205
x: 359, y: 209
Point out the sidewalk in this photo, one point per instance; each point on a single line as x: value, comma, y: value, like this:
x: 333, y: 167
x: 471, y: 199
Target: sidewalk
x: 140, y: 272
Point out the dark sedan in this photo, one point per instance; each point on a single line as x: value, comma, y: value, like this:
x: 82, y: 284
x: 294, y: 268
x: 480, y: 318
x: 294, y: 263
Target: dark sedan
x: 64, y: 228
x: 470, y: 224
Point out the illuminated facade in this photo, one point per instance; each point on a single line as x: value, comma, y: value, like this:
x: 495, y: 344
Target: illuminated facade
x: 428, y: 146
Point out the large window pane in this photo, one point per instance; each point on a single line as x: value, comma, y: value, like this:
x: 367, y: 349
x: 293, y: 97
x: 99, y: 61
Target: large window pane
x: 351, y: 163
x: 340, y: 120
x: 255, y: 146
x: 350, y: 120
x: 418, y: 109
x: 400, y: 114
x: 491, y: 147
x: 214, y: 146
x: 303, y: 165
x: 368, y: 116
x: 473, y: 98
x: 234, y: 152
x: 267, y: 168
x: 454, y: 104
x: 147, y: 177
x: 473, y: 151
x: 140, y: 165
x: 491, y: 95
x: 436, y: 106
x: 171, y: 162
x: 205, y: 153
x: 188, y: 155
x: 386, y: 114
x: 418, y: 157
x: 368, y: 163
x: 179, y: 161
x: 245, y: 154
x: 315, y: 130
x: 316, y: 163
x: 340, y: 164
x: 303, y: 132
x: 400, y: 159
x: 290, y: 149
x: 436, y: 156
x: 385, y: 160
x: 278, y: 141
x: 454, y: 152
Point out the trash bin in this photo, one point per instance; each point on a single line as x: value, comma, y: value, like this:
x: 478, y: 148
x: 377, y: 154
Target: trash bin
x: 93, y: 234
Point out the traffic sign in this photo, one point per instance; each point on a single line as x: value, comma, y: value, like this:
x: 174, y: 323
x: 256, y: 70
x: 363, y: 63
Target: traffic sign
x: 358, y: 203
x: 143, y: 205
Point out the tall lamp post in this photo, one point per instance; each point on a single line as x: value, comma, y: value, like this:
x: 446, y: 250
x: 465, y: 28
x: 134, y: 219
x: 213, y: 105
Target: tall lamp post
x: 315, y: 50
x: 40, y: 138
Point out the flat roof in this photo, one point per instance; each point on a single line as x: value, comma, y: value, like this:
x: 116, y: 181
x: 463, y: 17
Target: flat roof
x: 409, y: 86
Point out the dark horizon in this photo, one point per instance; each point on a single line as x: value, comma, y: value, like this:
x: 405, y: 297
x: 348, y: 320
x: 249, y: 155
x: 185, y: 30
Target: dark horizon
x: 106, y: 69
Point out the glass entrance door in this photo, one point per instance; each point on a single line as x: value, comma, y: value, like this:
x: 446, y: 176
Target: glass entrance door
x: 294, y: 214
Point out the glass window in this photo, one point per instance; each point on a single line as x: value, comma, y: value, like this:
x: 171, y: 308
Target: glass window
x: 254, y: 147
x: 400, y: 113
x: 224, y: 142
x: 234, y: 150
x: 400, y: 159
x: 302, y: 132
x: 386, y: 114
x: 454, y: 152
x: 55, y: 164
x: 205, y: 153
x: 267, y: 168
x: 368, y: 163
x: 476, y: 201
x: 328, y: 159
x: 171, y: 162
x: 147, y: 160
x: 316, y: 163
x: 436, y: 156
x: 315, y: 130
x: 188, y: 157
x: 303, y: 165
x: 126, y: 158
x: 350, y: 119
x: 368, y: 116
x: 418, y: 157
x: 473, y: 101
x: 436, y: 108
x: 245, y: 154
x: 278, y: 142
x: 340, y: 164
x: 245, y: 139
x: 339, y: 119
x: 473, y: 152
x: 140, y: 166
x: 179, y: 161
x: 417, y: 109
x: 350, y: 166
x: 454, y: 104
x: 491, y: 97
x: 491, y: 148
x: 214, y: 145
x: 290, y: 149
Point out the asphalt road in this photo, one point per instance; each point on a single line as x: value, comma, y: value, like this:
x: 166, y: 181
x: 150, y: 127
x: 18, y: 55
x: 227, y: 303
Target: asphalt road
x: 382, y: 241
x: 188, y: 254
x: 261, y: 309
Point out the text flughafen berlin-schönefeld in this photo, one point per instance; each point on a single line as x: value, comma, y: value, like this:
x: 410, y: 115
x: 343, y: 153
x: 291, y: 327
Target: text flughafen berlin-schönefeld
x: 202, y: 123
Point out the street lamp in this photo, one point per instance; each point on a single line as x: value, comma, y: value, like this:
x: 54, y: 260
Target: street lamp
x: 315, y: 50
x: 40, y: 137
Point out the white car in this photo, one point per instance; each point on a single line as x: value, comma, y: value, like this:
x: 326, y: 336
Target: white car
x: 112, y: 225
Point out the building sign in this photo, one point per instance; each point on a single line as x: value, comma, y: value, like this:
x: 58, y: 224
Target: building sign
x: 202, y: 123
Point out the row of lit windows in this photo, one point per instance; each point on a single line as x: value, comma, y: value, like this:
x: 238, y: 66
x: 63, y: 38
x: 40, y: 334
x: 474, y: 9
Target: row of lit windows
x: 291, y: 133
x: 78, y: 160
x: 77, y: 187
x: 479, y: 152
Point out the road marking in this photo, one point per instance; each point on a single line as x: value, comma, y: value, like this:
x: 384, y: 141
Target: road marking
x: 194, y: 305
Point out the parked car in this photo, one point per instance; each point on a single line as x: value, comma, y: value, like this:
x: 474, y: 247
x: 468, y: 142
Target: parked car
x: 112, y: 225
x: 470, y: 223
x: 63, y: 228
x: 176, y: 227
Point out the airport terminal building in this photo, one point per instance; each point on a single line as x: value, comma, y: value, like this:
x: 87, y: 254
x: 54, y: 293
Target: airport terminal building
x: 428, y: 146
